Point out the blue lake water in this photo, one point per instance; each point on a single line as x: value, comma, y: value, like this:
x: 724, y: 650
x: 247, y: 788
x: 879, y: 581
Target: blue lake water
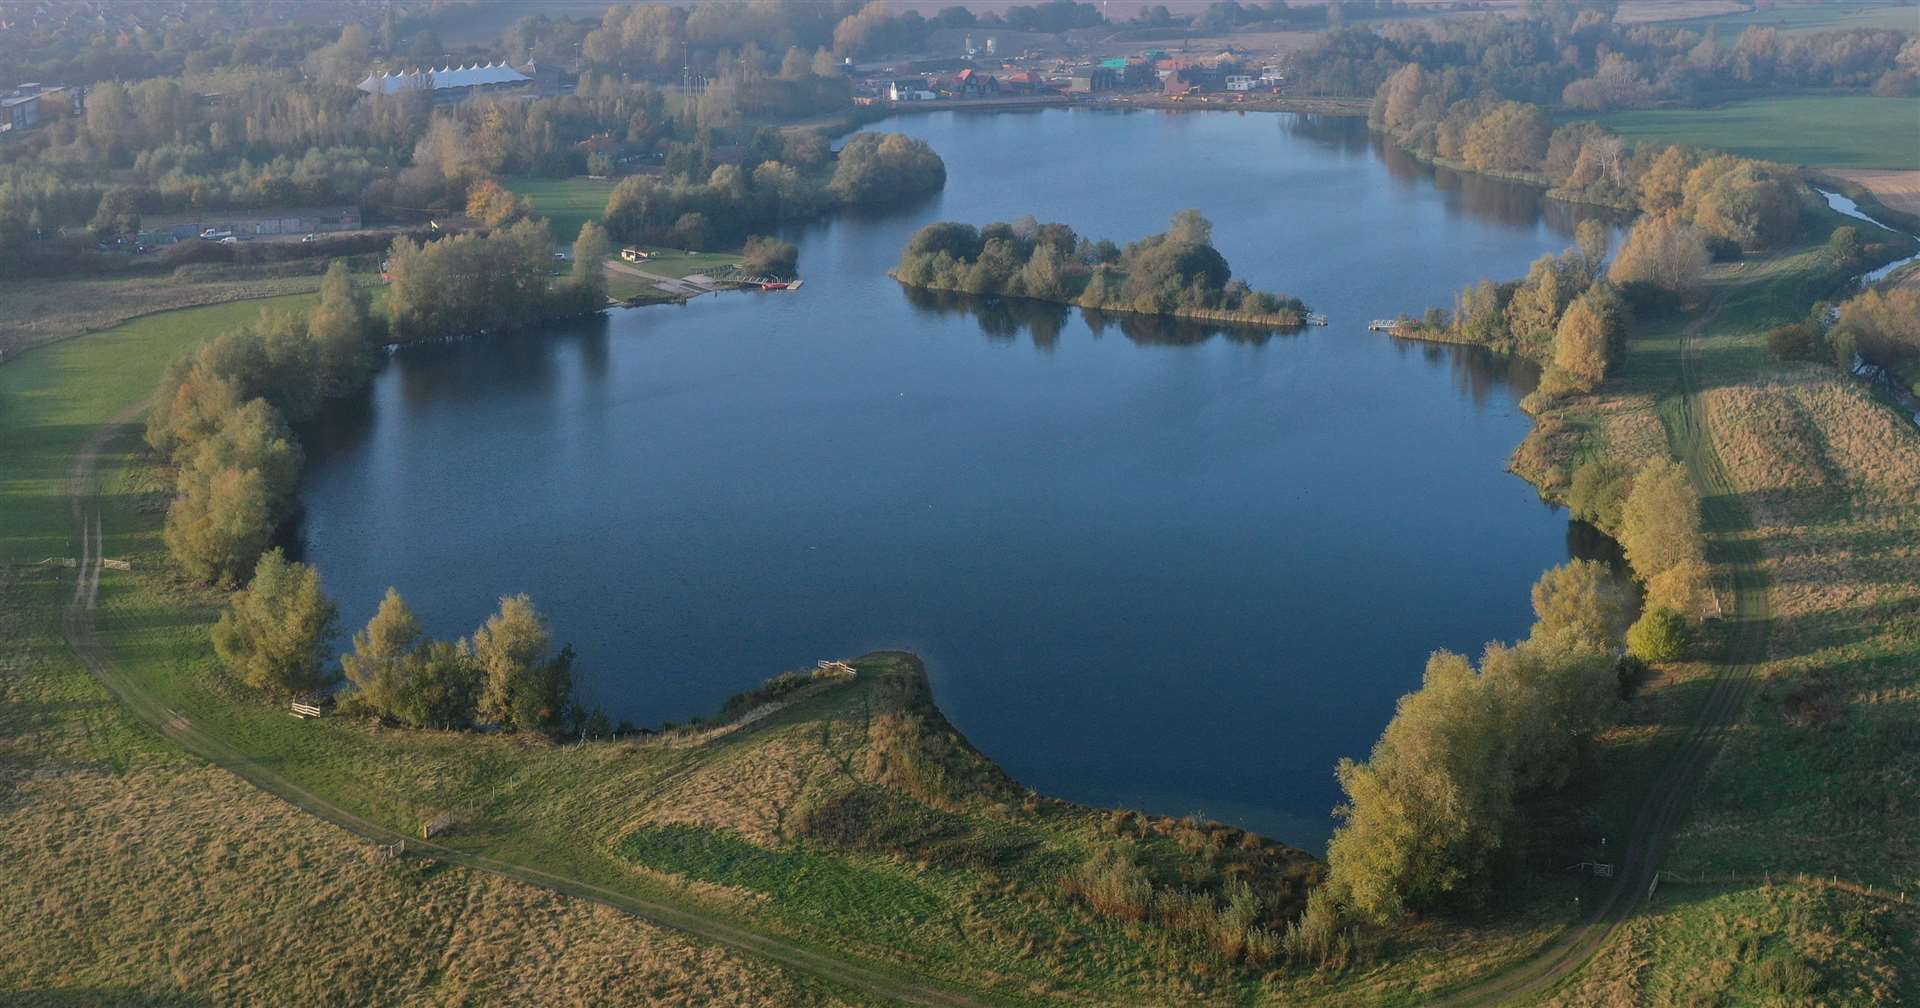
x: 1148, y: 565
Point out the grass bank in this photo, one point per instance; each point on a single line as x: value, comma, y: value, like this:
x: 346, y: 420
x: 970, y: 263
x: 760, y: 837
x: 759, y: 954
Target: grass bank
x: 1791, y: 878
x: 139, y: 874
x: 35, y: 311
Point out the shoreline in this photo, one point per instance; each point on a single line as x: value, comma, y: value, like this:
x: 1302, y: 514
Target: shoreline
x: 863, y: 115
x: 1538, y: 181
x: 1202, y: 315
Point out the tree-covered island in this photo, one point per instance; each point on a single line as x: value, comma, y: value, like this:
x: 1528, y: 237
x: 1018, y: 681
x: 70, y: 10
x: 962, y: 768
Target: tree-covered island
x: 1177, y: 273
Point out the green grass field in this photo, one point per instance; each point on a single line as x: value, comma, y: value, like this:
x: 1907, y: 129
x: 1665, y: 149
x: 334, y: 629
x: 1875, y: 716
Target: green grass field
x: 566, y: 203
x: 52, y: 398
x: 1839, y: 131
x: 1811, y: 15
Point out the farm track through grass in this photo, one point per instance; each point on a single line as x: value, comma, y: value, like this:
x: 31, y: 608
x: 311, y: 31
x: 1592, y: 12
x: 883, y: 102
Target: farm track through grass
x: 79, y: 629
x: 1666, y: 802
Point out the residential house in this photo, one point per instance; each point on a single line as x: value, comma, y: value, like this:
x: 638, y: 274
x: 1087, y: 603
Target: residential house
x: 910, y: 89
x: 971, y: 83
x: 1022, y: 82
x: 1089, y: 79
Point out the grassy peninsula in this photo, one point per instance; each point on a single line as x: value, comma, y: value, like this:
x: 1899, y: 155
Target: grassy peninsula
x: 1177, y: 273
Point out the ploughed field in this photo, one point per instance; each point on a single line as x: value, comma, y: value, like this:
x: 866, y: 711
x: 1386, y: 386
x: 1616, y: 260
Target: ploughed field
x: 1159, y: 565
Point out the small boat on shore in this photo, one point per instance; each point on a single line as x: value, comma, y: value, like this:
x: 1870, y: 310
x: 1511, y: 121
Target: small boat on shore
x: 1383, y: 325
x: 1315, y: 318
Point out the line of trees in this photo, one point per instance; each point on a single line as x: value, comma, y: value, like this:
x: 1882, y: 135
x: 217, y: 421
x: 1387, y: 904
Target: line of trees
x: 871, y: 170
x: 505, y: 674
x: 1177, y: 272
x: 1432, y: 812
x: 222, y: 417
x: 1581, y: 57
x: 473, y: 283
x: 274, y: 635
x: 1654, y: 511
x: 1435, y: 810
x: 1563, y: 313
x: 1738, y: 201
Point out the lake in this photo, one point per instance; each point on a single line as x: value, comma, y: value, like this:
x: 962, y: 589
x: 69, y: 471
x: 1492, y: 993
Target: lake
x: 1154, y: 565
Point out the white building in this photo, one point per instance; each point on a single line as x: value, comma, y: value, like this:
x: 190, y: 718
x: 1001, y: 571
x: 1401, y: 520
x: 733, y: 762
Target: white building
x: 1239, y: 82
x: 450, y: 82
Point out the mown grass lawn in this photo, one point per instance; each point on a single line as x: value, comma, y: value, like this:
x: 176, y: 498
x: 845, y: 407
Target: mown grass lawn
x: 566, y: 203
x: 52, y: 398
x: 1840, y: 131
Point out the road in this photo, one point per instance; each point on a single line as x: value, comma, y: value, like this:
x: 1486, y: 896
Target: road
x: 82, y: 635
x: 1666, y: 803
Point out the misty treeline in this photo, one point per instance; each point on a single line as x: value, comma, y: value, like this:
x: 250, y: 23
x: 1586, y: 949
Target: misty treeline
x: 1177, y: 272
x: 800, y: 177
x: 151, y: 148
x: 1579, y: 56
x: 1740, y: 202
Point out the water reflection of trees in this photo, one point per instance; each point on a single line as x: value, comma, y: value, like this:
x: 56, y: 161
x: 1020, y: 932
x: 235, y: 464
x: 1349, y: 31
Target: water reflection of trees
x: 1515, y: 204
x: 524, y: 361
x: 1346, y: 134
x: 1476, y: 371
x: 1005, y: 318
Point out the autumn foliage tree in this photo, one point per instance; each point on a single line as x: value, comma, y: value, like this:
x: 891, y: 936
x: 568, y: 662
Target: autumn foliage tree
x: 526, y: 686
x: 401, y: 674
x: 274, y: 633
x: 492, y: 204
x: 1660, y: 531
x: 1429, y: 812
x: 1664, y: 251
x: 1582, y: 598
x: 1883, y: 325
x: 1592, y: 335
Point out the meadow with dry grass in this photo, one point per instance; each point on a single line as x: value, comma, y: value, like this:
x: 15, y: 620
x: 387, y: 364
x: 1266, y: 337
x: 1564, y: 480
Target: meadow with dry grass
x: 1796, y: 877
x: 137, y: 875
